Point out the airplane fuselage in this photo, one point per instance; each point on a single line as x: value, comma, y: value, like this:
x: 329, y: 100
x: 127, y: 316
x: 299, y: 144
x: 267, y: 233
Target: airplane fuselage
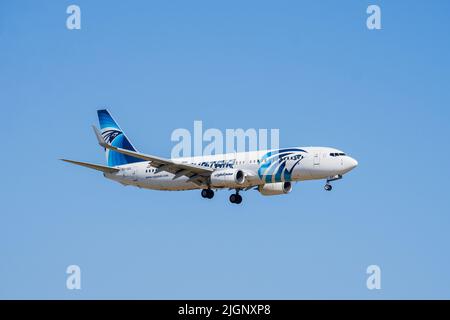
x: 259, y: 167
x: 271, y: 172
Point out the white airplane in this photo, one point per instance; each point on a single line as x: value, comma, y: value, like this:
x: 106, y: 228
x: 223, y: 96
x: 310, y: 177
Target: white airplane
x: 271, y: 172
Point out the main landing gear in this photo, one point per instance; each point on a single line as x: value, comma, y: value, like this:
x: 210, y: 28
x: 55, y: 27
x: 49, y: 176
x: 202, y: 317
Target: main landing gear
x: 236, y: 197
x: 207, y: 193
x: 328, y: 186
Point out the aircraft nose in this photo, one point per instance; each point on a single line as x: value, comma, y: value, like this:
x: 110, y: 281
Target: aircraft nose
x: 352, y: 163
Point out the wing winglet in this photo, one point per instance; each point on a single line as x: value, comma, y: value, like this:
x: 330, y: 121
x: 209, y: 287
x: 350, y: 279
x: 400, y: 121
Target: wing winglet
x: 99, y: 137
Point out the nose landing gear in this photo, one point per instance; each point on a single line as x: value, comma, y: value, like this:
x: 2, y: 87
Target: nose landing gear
x: 328, y: 186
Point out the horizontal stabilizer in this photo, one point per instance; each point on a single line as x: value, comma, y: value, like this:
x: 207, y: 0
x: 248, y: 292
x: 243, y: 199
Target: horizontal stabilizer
x: 93, y: 166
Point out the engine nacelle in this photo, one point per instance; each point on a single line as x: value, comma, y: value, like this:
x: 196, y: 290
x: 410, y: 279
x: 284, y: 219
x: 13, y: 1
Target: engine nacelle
x: 272, y: 189
x: 229, y: 178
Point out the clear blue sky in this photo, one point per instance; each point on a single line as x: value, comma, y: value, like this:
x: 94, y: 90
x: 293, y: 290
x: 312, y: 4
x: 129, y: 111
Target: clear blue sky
x: 310, y: 68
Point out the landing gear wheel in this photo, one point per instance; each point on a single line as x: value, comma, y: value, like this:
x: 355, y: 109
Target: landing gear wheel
x: 207, y: 193
x: 235, y: 198
x: 328, y: 187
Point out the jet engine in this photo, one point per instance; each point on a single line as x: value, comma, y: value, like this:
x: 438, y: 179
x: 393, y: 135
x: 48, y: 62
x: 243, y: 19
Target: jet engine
x: 229, y: 178
x: 272, y: 189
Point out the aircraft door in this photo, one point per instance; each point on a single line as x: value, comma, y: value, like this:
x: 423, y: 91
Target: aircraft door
x: 316, y: 158
x: 133, y: 174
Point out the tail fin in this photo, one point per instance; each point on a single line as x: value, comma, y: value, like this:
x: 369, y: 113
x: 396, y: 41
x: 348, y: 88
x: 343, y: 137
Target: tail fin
x: 113, y: 135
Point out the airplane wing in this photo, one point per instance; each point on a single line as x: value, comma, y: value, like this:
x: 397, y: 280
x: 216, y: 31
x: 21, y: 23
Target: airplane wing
x: 196, y: 174
x: 93, y: 166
